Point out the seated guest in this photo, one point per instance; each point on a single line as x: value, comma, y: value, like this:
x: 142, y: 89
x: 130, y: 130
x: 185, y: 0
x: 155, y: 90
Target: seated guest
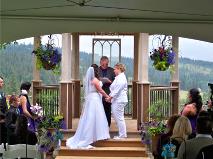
x: 205, y: 114
x: 22, y: 135
x: 181, y: 132
x: 12, y: 114
x: 206, y: 152
x: 191, y: 148
x: 210, y: 109
x: 164, y: 138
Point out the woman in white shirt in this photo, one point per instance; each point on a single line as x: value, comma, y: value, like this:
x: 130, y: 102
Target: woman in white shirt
x: 118, y: 98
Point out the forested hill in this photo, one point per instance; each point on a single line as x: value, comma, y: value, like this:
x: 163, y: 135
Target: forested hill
x: 16, y: 67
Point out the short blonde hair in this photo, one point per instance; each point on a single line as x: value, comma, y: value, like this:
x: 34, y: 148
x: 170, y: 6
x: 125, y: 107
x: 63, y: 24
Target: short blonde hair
x: 182, y: 129
x: 121, y: 67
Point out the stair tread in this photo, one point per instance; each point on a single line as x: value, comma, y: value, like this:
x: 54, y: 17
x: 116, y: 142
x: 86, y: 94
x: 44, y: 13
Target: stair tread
x: 121, y: 140
x: 89, y: 157
x: 73, y: 130
x: 108, y: 149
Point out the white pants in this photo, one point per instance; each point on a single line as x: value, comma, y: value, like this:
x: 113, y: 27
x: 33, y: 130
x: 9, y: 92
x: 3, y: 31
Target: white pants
x: 118, y: 114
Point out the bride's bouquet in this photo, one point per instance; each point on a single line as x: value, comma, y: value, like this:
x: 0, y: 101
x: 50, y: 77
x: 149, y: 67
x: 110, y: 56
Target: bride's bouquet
x: 37, y: 110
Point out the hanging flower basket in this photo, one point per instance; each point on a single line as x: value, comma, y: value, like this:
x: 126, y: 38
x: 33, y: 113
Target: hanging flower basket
x: 48, y: 57
x: 163, y: 56
x: 48, y: 65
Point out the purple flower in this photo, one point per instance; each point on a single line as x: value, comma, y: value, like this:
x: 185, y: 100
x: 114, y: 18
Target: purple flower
x: 171, y: 58
x: 49, y: 134
x: 163, y: 58
x: 56, y: 57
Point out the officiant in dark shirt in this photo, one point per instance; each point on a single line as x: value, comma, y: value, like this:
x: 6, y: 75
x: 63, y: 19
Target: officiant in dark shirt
x: 106, y: 76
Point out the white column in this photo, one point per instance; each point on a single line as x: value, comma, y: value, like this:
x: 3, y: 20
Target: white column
x: 36, y: 72
x: 75, y: 56
x: 143, y: 56
x: 175, y: 46
x: 75, y: 74
x: 66, y: 84
x: 136, y: 57
x: 66, y: 58
x: 143, y: 90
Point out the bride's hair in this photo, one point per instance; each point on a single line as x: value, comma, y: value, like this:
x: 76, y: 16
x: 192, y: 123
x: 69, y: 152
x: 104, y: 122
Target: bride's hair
x: 96, y: 70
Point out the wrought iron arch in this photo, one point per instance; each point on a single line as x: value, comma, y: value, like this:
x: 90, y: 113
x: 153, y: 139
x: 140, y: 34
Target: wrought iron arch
x: 103, y: 42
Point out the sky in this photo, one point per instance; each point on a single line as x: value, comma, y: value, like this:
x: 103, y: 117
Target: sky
x: 193, y: 49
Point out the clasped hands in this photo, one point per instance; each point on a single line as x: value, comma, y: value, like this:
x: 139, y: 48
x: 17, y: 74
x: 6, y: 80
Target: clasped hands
x: 108, y: 99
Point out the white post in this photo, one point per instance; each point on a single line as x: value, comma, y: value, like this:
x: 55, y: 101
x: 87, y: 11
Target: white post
x: 66, y: 85
x: 175, y: 46
x: 75, y: 56
x: 175, y: 76
x: 66, y: 58
x: 36, y: 72
x: 75, y: 74
x: 143, y: 56
x: 143, y: 86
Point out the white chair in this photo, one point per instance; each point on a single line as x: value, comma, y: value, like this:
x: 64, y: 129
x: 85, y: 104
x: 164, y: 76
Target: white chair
x: 19, y: 151
x: 1, y: 149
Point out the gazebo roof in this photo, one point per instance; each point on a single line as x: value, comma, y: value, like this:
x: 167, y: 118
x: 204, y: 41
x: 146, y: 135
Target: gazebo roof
x: 185, y: 18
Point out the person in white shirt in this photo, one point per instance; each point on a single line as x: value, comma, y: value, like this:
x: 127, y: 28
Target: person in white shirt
x: 118, y: 98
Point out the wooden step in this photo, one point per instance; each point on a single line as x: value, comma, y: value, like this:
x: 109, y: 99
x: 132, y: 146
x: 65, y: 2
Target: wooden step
x: 87, y: 157
x: 130, y: 134
x: 128, y: 142
x: 105, y: 152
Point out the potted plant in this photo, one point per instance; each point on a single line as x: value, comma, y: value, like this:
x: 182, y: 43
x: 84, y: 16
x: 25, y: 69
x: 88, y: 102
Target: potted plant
x: 163, y: 56
x: 48, y: 128
x: 151, y: 130
x: 49, y: 135
x: 48, y: 57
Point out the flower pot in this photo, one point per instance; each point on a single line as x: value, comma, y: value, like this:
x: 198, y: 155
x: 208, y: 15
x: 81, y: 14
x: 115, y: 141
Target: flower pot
x: 154, y: 144
x: 49, y: 155
x: 161, y: 66
x: 48, y: 65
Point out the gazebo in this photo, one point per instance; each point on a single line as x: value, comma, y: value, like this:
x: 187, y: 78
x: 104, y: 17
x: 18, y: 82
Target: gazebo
x: 72, y: 18
x: 139, y: 18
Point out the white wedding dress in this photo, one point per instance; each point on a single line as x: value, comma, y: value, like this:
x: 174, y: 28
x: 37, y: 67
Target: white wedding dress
x: 93, y: 124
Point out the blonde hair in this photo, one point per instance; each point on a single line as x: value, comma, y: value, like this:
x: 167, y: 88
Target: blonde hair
x: 121, y: 67
x: 182, y: 129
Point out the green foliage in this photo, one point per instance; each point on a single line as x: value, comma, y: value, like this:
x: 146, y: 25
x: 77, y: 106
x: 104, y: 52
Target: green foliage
x: 156, y: 125
x: 155, y: 110
x: 16, y: 67
x: 47, y: 102
x: 49, y: 134
x: 4, y: 45
x: 156, y: 129
x: 55, y: 122
x: 48, y: 58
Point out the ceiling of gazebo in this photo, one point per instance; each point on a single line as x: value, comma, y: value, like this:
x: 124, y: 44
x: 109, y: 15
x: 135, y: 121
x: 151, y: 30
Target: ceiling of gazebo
x: 185, y: 18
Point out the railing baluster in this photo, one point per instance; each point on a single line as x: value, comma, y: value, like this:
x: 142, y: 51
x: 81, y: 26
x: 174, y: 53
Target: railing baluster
x: 164, y: 94
x: 48, y: 98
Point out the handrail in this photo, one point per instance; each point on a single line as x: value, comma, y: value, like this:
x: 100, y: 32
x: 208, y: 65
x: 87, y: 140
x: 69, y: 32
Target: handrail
x: 47, y: 86
x: 164, y: 88
x: 156, y: 93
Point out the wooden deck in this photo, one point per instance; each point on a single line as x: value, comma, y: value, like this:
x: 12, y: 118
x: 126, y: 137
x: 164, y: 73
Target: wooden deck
x: 129, y: 148
x: 131, y: 126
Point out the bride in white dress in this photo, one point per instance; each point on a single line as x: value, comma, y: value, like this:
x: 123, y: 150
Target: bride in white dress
x: 93, y: 124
